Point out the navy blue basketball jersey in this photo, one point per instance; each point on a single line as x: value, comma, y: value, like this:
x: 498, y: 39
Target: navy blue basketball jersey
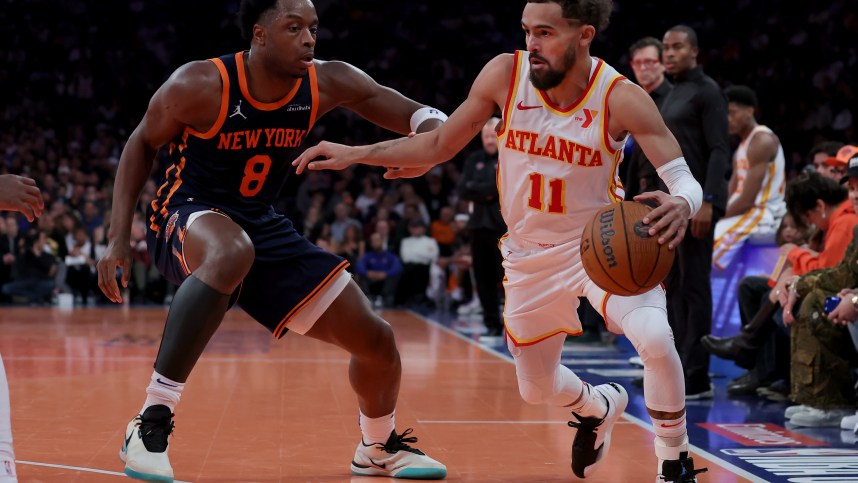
x: 241, y: 162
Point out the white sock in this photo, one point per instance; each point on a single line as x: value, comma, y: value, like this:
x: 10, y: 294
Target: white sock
x: 164, y: 391
x: 671, y: 431
x: 377, y: 430
x: 671, y: 448
x: 590, y: 404
x: 7, y: 454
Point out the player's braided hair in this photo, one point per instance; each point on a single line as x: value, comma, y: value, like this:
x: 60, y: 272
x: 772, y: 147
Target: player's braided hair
x: 249, y: 14
x: 591, y: 12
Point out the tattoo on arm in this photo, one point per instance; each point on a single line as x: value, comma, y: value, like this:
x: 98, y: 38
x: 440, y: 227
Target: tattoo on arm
x: 382, y: 147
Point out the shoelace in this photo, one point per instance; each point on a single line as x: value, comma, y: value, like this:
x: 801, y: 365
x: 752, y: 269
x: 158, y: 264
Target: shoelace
x: 584, y: 422
x: 154, y: 433
x: 687, y: 475
x: 400, y: 443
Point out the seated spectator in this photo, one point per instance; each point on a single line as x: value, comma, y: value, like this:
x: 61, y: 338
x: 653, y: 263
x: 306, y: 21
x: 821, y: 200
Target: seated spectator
x: 443, y: 230
x: 819, y: 156
x: 418, y: 252
x: 342, y: 220
x: 10, y: 249
x: 352, y: 247
x: 756, y: 311
x: 80, y: 265
x: 818, y: 201
x: 34, y: 270
x: 378, y: 272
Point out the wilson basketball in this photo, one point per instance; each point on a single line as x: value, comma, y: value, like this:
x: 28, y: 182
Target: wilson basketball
x: 618, y: 253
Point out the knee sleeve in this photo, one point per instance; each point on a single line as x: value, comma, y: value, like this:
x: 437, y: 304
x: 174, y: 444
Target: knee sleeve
x: 649, y: 332
x: 559, y: 389
x: 664, y: 380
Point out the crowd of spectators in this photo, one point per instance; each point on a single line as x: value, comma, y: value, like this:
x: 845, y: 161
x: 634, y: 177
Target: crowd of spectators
x: 75, y: 78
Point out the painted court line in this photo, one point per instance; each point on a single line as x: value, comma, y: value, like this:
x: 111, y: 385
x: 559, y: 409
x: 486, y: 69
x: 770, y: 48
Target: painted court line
x: 704, y: 454
x: 425, y: 421
x: 79, y: 468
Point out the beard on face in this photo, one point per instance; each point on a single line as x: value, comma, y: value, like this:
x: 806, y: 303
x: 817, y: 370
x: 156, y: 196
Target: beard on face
x: 550, y: 77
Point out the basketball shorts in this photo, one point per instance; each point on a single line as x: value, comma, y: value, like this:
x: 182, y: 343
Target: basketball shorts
x: 290, y: 284
x: 732, y: 233
x: 542, y: 285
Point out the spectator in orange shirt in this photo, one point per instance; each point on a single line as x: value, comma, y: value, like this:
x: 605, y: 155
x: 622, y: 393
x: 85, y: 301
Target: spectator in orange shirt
x: 822, y: 202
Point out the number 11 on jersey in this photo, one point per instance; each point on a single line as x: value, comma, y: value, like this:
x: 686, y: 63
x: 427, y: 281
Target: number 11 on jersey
x: 556, y: 190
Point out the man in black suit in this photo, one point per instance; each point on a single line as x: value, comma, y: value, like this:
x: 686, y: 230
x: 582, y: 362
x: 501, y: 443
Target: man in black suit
x: 695, y: 111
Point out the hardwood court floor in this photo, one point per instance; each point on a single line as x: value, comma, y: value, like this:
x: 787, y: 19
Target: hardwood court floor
x: 260, y: 410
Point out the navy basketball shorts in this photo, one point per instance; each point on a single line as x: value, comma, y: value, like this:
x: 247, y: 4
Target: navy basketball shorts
x: 291, y: 282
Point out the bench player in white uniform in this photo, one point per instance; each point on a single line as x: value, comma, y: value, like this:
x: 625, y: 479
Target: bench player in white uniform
x: 756, y: 204
x: 566, y: 116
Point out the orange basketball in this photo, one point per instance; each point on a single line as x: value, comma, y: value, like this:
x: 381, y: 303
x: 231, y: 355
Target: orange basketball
x: 618, y: 253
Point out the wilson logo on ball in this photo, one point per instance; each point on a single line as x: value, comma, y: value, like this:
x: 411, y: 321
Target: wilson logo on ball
x: 618, y: 253
x: 606, y: 233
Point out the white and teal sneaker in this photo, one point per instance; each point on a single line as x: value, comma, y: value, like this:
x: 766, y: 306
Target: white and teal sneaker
x: 145, y: 448
x: 396, y: 459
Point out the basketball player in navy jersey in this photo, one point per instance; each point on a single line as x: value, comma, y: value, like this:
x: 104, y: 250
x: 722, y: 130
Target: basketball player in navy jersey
x: 233, y: 124
x: 20, y: 194
x: 566, y: 118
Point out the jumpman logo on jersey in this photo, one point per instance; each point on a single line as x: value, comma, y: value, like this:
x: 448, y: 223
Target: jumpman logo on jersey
x: 237, y: 111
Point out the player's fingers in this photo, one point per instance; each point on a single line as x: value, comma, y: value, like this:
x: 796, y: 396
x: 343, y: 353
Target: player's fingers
x: 27, y: 181
x: 679, y: 234
x: 304, y: 158
x: 125, y: 265
x: 107, y: 279
x: 330, y: 163
x: 37, y: 194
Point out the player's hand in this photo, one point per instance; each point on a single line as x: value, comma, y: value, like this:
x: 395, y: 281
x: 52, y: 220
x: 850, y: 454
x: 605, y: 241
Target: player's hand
x: 336, y: 156
x: 414, y: 172
x: 702, y: 221
x: 21, y: 194
x: 117, y: 254
x: 670, y: 217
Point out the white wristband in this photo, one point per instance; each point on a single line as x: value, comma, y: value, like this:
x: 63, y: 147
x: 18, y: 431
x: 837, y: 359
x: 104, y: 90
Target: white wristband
x: 424, y: 114
x: 679, y: 180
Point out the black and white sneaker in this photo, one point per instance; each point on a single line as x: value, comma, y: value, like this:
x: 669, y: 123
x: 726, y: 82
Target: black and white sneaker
x: 679, y: 471
x: 593, y: 436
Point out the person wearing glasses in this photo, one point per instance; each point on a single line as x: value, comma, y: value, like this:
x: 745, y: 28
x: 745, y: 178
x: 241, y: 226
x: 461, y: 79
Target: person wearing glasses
x: 645, y: 55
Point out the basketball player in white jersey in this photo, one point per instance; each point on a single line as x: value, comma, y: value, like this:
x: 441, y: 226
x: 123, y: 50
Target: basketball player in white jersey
x: 566, y: 116
x: 756, y: 204
x: 20, y: 194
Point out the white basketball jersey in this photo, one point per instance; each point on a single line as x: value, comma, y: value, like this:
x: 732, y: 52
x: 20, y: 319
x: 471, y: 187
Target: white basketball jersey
x: 557, y: 165
x: 771, y: 194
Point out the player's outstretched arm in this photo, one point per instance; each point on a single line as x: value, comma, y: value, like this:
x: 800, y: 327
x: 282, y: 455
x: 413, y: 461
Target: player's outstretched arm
x: 488, y: 92
x: 190, y: 97
x: 18, y: 193
x: 632, y: 110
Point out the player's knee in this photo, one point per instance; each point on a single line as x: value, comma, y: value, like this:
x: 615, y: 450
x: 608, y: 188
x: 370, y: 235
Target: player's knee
x: 649, y: 332
x: 535, y: 391
x: 380, y: 343
x: 230, y: 258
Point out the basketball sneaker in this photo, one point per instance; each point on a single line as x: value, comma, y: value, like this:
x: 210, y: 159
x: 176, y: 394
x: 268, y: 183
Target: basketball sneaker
x: 593, y: 438
x: 674, y: 465
x: 396, y: 459
x: 145, y: 448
